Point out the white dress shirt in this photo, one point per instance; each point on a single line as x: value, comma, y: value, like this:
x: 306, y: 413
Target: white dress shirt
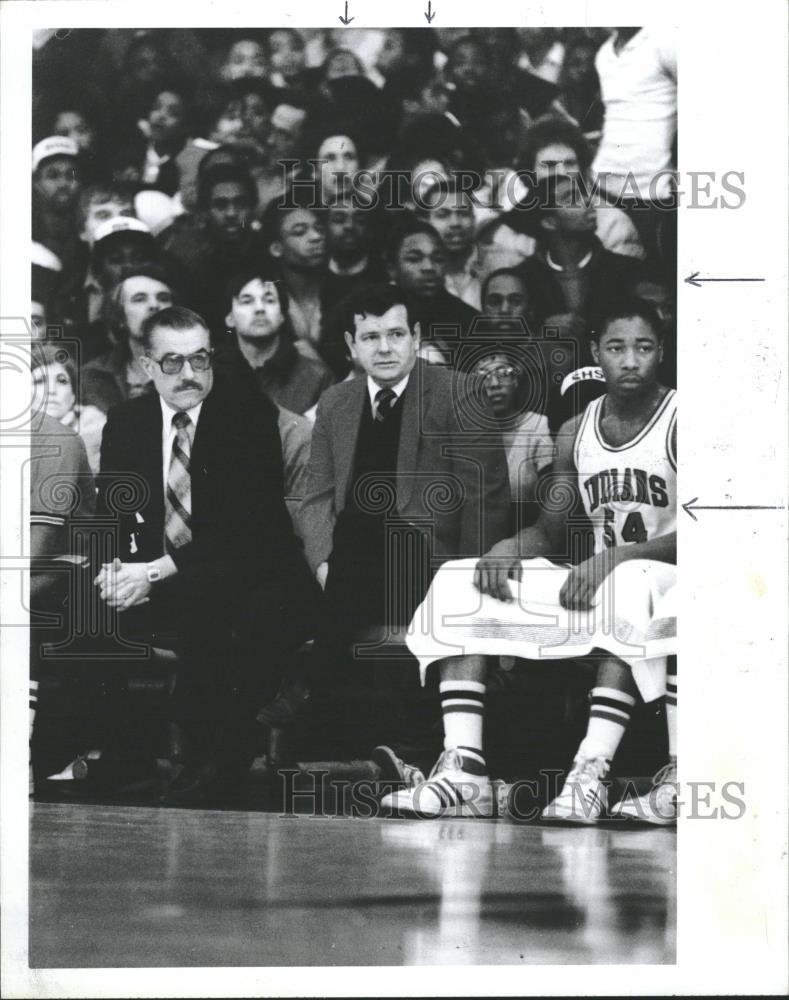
x: 373, y: 389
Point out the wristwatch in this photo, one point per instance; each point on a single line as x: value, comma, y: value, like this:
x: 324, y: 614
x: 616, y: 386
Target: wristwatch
x: 153, y: 573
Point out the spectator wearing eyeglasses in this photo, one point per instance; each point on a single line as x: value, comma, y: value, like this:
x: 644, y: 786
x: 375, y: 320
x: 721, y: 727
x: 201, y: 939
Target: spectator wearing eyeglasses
x: 562, y: 380
x: 527, y: 439
x: 197, y: 547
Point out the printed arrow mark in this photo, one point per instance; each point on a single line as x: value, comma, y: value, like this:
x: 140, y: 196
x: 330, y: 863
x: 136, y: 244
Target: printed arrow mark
x: 691, y: 505
x: 346, y: 20
x: 696, y: 281
x: 429, y: 15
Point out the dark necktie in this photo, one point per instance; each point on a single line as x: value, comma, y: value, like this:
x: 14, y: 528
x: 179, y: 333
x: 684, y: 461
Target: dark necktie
x: 178, y: 498
x: 384, y: 401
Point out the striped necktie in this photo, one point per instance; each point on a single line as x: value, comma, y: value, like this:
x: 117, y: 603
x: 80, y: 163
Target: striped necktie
x: 178, y: 498
x: 384, y: 401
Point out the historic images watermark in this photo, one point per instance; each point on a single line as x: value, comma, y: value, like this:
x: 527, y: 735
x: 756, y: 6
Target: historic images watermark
x: 312, y: 794
x: 501, y: 190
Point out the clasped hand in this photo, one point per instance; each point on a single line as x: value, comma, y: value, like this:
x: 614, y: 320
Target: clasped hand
x: 123, y: 585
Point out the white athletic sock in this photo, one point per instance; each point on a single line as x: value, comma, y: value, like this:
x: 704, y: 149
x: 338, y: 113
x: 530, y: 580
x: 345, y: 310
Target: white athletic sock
x: 609, y: 714
x: 462, y: 705
x: 671, y: 708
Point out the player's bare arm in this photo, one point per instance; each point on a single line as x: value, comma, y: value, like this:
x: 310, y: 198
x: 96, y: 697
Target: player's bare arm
x: 545, y: 538
x: 581, y: 585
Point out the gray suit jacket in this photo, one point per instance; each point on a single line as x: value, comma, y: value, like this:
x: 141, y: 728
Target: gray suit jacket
x: 451, y: 466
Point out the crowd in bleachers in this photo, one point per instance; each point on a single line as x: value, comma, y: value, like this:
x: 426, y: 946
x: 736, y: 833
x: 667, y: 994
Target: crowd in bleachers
x: 264, y: 178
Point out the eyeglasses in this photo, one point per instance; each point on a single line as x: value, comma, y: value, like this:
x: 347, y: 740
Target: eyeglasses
x: 172, y: 364
x: 504, y: 373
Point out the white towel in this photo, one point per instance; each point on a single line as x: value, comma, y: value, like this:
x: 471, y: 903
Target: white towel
x: 455, y: 619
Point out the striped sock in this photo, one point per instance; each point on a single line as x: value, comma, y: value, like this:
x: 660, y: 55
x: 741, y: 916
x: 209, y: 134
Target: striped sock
x: 671, y: 707
x: 609, y: 715
x: 462, y: 705
x: 33, y: 706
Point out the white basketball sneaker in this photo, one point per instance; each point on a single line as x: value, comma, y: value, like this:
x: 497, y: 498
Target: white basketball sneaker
x: 449, y: 792
x: 584, y: 797
x: 658, y: 806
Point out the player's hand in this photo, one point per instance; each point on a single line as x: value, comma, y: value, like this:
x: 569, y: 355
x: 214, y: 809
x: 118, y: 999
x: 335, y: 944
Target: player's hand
x: 582, y: 584
x: 495, y: 569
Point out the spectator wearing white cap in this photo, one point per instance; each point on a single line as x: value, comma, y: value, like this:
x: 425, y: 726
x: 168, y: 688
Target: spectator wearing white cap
x: 56, y: 187
x: 118, y: 243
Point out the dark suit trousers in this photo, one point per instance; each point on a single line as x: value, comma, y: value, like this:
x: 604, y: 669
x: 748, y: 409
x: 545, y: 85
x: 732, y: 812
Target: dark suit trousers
x: 233, y: 654
x: 377, y: 578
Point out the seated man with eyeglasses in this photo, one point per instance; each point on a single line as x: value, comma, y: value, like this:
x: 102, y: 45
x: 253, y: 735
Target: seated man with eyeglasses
x: 527, y: 440
x: 192, y: 477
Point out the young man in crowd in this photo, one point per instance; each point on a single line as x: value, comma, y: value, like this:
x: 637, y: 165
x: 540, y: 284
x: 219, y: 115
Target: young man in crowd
x: 295, y: 237
x: 449, y: 209
x: 350, y: 241
x: 554, y: 146
x: 418, y: 266
x: 220, y: 240
x: 262, y: 355
x: 618, y: 460
x: 56, y: 188
x: 258, y: 322
x: 284, y: 148
x: 571, y: 273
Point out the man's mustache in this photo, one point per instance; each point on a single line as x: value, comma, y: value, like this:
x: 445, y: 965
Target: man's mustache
x: 189, y: 385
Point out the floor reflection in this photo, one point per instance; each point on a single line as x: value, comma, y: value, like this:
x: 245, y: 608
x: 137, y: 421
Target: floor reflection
x: 115, y: 887
x: 572, y: 896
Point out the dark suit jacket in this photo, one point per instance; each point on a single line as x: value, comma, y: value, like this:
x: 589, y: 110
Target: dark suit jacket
x: 451, y: 471
x: 241, y: 531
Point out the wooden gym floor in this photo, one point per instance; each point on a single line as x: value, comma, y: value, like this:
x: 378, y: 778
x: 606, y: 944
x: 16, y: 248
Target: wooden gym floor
x: 125, y: 886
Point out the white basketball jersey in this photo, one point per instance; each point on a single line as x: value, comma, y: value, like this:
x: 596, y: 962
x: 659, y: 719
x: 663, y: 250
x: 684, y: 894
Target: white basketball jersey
x: 629, y: 492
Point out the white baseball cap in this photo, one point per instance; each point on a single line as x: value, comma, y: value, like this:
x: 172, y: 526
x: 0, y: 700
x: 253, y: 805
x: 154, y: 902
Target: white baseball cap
x: 42, y: 256
x: 155, y: 209
x: 120, y: 224
x: 55, y: 145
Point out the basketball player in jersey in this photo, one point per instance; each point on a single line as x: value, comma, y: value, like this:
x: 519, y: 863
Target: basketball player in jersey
x: 617, y: 462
